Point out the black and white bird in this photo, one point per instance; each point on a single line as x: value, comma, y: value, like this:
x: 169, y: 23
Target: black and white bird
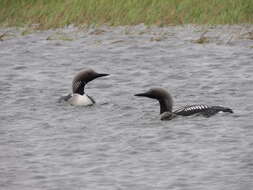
x: 166, y: 104
x: 78, y: 96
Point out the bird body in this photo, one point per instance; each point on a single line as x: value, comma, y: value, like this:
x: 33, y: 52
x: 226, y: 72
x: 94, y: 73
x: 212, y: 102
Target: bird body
x: 166, y: 104
x: 202, y: 109
x: 78, y: 96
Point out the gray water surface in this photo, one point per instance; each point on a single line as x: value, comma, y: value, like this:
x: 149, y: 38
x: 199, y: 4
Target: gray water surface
x: 120, y: 143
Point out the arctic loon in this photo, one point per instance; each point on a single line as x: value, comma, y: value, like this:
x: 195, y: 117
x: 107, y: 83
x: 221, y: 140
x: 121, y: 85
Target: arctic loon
x: 166, y: 104
x: 78, y: 97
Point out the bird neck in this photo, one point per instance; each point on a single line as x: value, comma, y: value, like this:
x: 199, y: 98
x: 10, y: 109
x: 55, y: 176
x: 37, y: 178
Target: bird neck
x: 166, y: 105
x: 78, y: 87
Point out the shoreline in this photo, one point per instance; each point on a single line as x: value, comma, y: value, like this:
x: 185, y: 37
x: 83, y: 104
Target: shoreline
x: 198, y: 34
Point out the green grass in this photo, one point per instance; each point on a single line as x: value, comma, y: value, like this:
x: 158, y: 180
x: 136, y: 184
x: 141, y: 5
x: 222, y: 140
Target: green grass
x: 59, y: 13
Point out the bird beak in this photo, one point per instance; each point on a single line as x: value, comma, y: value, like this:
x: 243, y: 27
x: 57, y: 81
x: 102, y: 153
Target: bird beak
x: 101, y: 75
x: 142, y: 94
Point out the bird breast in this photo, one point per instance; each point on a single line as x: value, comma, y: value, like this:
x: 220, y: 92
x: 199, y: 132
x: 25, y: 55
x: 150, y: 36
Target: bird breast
x: 80, y: 100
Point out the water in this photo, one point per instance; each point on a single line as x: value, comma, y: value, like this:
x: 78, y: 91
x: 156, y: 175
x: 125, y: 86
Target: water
x: 120, y: 143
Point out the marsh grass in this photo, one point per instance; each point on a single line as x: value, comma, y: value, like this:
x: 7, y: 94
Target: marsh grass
x: 59, y: 13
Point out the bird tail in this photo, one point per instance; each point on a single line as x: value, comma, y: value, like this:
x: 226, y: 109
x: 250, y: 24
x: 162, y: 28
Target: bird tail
x: 223, y: 109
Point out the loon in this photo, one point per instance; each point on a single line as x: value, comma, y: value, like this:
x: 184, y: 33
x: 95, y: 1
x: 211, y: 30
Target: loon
x: 166, y: 104
x: 78, y: 97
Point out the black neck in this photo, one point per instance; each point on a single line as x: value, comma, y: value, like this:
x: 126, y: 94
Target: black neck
x: 165, y: 105
x: 78, y: 87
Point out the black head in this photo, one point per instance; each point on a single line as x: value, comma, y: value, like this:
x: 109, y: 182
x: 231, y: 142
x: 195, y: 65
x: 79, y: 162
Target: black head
x: 155, y: 93
x: 162, y: 96
x: 82, y: 78
x: 88, y: 75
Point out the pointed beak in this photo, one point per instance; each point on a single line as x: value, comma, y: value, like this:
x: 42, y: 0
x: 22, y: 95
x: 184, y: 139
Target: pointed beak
x: 142, y: 94
x: 101, y: 75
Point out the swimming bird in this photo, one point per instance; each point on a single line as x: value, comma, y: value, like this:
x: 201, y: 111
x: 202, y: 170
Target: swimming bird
x: 78, y: 96
x: 166, y: 104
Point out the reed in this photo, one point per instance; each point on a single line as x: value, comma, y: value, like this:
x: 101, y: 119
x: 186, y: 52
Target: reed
x: 59, y: 13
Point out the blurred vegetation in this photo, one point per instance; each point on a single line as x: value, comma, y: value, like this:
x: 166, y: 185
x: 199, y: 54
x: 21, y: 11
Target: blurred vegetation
x: 58, y: 13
